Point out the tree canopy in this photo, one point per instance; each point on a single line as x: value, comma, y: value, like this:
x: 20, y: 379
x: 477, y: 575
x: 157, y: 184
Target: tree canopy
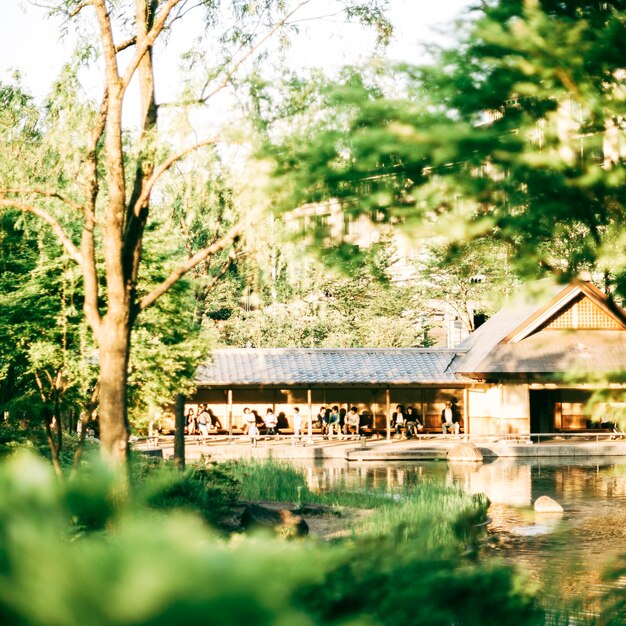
x: 102, y: 189
x: 514, y: 134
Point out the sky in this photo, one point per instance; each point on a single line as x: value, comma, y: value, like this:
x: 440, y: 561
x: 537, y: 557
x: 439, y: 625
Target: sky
x: 31, y: 42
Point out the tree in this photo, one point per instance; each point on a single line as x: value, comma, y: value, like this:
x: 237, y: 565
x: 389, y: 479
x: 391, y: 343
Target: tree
x: 44, y: 364
x: 516, y: 134
x: 316, y: 304
x: 466, y: 278
x: 102, y: 191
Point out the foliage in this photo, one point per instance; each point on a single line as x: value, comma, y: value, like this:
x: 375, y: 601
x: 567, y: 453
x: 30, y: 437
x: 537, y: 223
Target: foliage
x: 403, y: 586
x: 45, y: 356
x: 210, y: 491
x: 48, y: 353
x: 99, y: 186
x: 466, y: 278
x: 514, y: 134
x: 145, y: 569
x: 17, y: 436
x: 117, y: 563
x: 315, y: 302
x: 269, y: 480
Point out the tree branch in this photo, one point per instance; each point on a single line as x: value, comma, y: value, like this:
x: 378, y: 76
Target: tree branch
x: 106, y: 36
x: 46, y: 193
x: 203, y: 98
x: 232, y: 257
x: 87, y: 245
x: 79, y: 8
x: 126, y: 44
x: 197, y: 258
x: 57, y: 229
x: 54, y: 450
x: 144, y: 46
x: 230, y: 73
x: 84, y: 421
x: 42, y: 393
x: 159, y: 171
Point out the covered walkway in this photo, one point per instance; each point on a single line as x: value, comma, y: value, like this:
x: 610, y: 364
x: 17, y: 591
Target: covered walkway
x: 428, y: 447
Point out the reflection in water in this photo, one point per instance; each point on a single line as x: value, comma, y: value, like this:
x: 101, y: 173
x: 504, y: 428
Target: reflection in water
x: 571, y: 549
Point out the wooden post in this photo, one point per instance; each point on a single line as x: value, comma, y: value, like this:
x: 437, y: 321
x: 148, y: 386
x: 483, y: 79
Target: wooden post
x: 374, y: 410
x: 230, y: 414
x: 388, y: 401
x: 466, y: 411
x: 310, y: 403
x: 179, y: 432
x: 501, y: 409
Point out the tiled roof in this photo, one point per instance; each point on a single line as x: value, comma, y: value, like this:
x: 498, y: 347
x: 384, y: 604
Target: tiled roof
x: 485, y: 339
x: 559, y: 351
x: 319, y: 366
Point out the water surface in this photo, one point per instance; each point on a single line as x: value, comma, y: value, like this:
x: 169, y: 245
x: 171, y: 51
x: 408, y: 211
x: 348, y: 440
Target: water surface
x: 566, y: 553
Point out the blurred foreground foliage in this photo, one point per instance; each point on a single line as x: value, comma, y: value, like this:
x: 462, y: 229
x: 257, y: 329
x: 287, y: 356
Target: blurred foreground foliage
x: 75, y: 554
x: 32, y: 436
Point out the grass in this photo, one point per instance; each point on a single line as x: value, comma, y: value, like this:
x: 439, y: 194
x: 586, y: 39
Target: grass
x: 429, y: 513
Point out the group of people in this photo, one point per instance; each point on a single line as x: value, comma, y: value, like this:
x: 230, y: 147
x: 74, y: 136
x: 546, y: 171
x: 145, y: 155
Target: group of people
x: 408, y: 420
x: 201, y: 423
x: 333, y: 421
x: 270, y: 421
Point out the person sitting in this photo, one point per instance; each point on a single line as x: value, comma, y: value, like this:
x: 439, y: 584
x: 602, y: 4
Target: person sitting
x: 413, y: 423
x: 191, y: 422
x: 333, y: 422
x: 270, y: 422
x: 319, y: 419
x: 450, y: 419
x: 325, y: 422
x: 608, y: 421
x: 398, y: 420
x: 215, y: 420
x: 352, y: 422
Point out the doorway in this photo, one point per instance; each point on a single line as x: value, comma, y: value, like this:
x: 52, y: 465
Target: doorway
x: 543, y: 410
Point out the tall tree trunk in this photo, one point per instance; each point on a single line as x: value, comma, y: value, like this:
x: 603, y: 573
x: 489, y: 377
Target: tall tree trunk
x: 114, y: 347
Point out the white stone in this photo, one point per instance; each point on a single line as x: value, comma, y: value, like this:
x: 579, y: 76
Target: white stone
x: 464, y: 452
x: 545, y: 504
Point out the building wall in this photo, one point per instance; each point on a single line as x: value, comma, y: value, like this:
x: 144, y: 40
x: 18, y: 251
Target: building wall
x: 498, y: 409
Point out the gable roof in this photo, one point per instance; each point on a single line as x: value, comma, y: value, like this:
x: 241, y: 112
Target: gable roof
x: 558, y: 354
x: 540, y: 337
x: 233, y: 367
x: 573, y: 292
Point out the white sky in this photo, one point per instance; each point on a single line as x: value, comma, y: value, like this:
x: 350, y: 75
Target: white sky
x: 31, y: 43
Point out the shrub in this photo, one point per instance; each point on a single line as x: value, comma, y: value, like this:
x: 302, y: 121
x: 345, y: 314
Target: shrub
x: 132, y: 565
x: 211, y: 491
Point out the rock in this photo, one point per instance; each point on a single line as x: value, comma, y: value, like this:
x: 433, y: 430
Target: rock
x: 307, y: 508
x: 155, y: 453
x: 545, y: 504
x: 464, y: 452
x: 282, y: 522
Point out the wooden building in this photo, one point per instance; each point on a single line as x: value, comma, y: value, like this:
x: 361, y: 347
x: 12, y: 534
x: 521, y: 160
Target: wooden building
x: 539, y: 366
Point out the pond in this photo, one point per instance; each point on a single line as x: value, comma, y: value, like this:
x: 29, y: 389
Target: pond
x: 566, y: 553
